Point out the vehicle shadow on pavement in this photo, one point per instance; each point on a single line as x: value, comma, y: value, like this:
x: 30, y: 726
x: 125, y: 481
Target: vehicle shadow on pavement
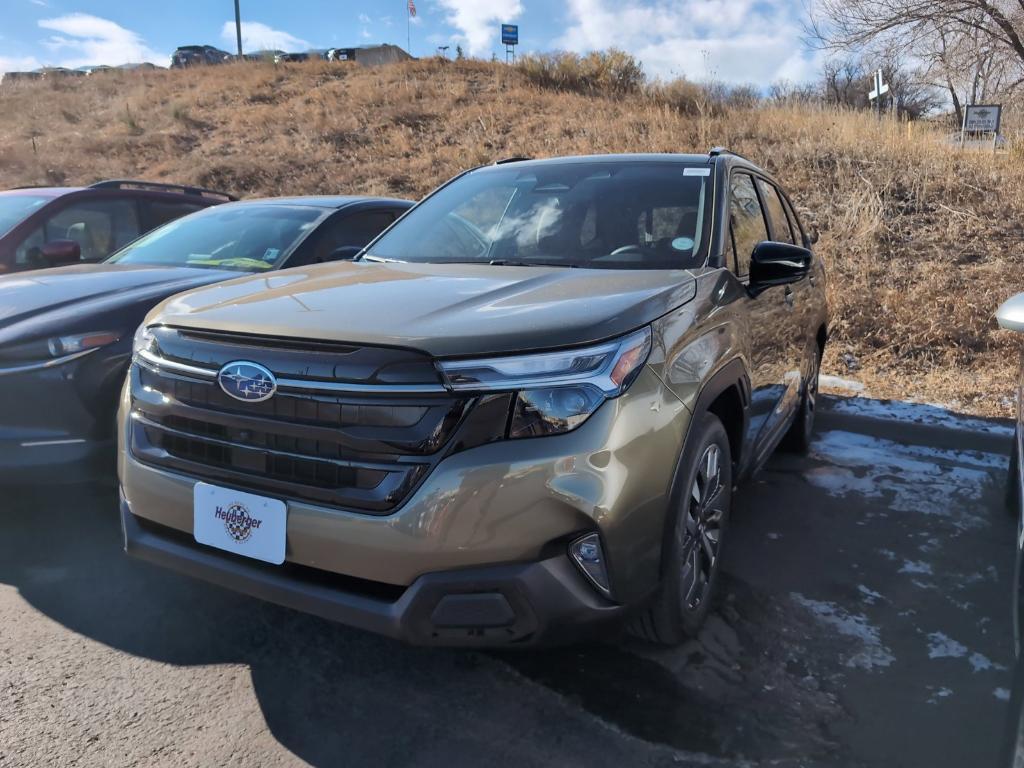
x: 329, y: 694
x: 863, y: 620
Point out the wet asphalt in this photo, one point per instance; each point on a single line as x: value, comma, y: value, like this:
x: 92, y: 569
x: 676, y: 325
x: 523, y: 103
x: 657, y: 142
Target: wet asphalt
x: 863, y: 621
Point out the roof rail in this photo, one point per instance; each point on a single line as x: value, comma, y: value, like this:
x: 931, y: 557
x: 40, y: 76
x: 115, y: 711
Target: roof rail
x: 716, y: 151
x: 515, y: 159
x: 158, y: 186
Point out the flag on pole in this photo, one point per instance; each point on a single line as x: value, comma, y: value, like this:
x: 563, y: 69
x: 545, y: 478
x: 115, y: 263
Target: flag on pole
x: 412, y: 8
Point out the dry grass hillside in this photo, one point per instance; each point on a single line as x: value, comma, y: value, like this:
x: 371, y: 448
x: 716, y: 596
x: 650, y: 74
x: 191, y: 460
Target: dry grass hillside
x: 922, y: 241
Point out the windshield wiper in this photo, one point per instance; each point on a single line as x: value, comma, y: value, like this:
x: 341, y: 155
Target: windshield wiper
x: 510, y: 263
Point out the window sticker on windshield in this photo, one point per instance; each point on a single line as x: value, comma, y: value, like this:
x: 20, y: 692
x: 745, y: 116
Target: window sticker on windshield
x: 271, y: 254
x: 696, y: 171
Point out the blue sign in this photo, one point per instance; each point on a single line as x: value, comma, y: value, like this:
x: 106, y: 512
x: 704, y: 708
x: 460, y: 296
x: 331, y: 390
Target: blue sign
x: 510, y: 34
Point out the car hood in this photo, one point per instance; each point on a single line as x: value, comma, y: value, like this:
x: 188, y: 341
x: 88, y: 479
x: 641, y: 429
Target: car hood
x: 72, y: 294
x: 442, y: 309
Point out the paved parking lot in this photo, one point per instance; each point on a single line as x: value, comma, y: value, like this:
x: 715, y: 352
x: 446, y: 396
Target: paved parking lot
x: 864, y: 621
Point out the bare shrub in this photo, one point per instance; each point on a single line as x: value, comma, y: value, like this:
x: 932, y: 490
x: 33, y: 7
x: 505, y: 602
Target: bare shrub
x: 921, y: 241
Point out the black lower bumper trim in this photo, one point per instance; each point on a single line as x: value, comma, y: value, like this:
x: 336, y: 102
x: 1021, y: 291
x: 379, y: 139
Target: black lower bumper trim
x: 546, y: 601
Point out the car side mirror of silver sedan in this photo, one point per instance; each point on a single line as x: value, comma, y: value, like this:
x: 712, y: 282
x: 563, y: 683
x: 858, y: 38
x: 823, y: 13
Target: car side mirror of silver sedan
x: 1010, y: 314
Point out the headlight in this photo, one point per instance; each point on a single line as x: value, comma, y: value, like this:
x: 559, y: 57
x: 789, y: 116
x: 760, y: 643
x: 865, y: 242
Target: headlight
x: 143, y: 339
x: 46, y: 353
x: 555, y: 391
x: 69, y: 345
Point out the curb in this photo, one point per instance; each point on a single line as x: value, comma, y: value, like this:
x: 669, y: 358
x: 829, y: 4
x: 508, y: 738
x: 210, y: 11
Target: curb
x: 949, y: 436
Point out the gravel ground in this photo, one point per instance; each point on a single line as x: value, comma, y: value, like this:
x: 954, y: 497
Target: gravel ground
x: 864, y: 620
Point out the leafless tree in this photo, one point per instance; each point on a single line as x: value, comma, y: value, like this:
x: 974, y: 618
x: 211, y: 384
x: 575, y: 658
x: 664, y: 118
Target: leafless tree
x: 846, y: 81
x: 972, y: 49
x: 853, y: 24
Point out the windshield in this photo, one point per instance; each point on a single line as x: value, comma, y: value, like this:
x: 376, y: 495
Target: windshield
x: 642, y: 215
x: 16, y: 208
x: 246, y: 238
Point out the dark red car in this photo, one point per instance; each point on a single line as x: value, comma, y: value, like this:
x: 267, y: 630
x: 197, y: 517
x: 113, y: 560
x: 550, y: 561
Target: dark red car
x: 53, y: 226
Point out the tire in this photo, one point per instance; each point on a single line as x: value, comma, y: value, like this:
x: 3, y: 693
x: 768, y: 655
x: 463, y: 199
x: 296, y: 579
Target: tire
x: 692, y: 553
x: 801, y: 431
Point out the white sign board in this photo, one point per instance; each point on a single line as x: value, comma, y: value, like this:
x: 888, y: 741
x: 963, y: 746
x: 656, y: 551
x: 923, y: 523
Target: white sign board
x: 982, y: 118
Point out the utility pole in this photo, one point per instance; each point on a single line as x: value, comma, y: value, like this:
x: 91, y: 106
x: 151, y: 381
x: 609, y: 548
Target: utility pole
x: 238, y: 28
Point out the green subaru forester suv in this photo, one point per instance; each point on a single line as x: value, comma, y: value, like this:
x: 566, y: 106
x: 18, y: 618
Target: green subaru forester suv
x: 519, y: 415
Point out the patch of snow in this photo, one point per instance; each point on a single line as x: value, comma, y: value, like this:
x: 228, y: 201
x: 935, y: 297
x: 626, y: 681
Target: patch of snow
x: 916, y: 566
x: 939, y: 693
x: 916, y: 413
x: 911, y: 478
x: 979, y: 662
x: 837, y: 382
x: 1002, y: 694
x: 872, y: 654
x: 941, y: 646
x: 869, y: 596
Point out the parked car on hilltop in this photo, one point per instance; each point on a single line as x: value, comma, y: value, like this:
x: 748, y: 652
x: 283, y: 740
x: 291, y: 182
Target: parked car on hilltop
x: 65, y: 334
x: 520, y: 414
x: 51, y: 226
x: 293, y: 58
x: 198, y: 55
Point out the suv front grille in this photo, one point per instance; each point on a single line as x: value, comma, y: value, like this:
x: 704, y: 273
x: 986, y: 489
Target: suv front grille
x: 365, y: 450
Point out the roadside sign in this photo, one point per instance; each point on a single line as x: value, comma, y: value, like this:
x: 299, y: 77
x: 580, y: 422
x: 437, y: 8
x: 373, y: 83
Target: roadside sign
x: 510, y: 34
x: 982, y: 118
x: 881, y: 88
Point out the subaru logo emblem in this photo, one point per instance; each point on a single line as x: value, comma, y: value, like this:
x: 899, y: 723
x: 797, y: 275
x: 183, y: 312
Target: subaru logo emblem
x: 248, y: 382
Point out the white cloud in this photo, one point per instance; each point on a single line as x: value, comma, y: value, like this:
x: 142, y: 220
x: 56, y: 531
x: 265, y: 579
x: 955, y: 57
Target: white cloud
x: 86, y: 39
x: 18, y: 64
x: 479, y: 22
x: 738, y: 41
x: 257, y: 36
x: 364, y: 19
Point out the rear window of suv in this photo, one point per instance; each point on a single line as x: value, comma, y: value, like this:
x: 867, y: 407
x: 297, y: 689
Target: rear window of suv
x: 610, y: 215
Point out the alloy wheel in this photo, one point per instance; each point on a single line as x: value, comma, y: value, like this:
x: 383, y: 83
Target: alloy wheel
x: 703, y: 534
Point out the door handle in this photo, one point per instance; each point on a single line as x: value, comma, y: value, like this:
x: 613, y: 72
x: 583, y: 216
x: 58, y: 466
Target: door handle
x: 811, y: 278
x: 789, y: 296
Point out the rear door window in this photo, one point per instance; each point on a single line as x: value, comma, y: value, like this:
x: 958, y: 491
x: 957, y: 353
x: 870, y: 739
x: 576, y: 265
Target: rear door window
x: 157, y: 212
x: 100, y: 227
x: 781, y: 231
x: 746, y: 220
x: 794, y: 222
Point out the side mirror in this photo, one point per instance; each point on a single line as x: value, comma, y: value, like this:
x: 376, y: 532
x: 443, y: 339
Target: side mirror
x: 774, y: 263
x: 1010, y: 314
x: 59, y: 252
x: 344, y: 253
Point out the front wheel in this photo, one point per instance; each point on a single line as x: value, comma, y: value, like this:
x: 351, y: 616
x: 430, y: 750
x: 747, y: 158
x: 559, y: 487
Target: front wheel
x: 692, y: 556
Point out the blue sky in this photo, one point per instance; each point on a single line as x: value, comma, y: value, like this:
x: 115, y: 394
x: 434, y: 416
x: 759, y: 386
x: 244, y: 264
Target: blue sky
x: 737, y: 41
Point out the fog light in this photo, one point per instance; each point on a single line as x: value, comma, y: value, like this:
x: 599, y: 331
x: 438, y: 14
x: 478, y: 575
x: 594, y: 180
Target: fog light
x: 586, y: 552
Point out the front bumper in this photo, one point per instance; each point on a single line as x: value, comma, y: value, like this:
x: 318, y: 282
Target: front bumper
x: 501, y: 513
x: 547, y: 601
